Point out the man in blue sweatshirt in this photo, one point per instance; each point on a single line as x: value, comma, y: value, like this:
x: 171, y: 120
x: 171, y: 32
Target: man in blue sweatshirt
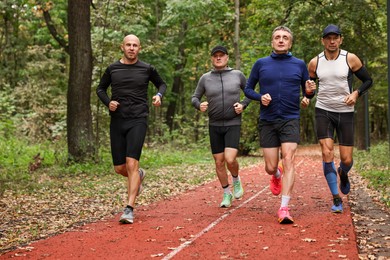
x: 222, y: 87
x: 281, y: 78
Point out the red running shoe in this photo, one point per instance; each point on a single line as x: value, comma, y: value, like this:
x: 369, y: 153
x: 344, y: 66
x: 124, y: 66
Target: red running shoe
x: 284, y: 216
x: 276, y: 183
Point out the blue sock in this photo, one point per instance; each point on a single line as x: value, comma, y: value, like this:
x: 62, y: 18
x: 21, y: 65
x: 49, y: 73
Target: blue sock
x: 345, y: 168
x: 331, y: 177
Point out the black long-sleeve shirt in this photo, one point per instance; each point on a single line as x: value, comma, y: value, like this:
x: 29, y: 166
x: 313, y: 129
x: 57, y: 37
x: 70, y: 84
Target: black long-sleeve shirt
x: 129, y: 86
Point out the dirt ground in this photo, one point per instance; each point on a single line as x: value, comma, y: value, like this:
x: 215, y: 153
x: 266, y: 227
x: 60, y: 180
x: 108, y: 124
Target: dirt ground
x: 192, y: 226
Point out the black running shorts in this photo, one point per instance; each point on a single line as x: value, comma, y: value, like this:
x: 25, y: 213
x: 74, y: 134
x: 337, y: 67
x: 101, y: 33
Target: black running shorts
x: 222, y: 137
x: 327, y: 123
x: 127, y: 138
x: 273, y: 134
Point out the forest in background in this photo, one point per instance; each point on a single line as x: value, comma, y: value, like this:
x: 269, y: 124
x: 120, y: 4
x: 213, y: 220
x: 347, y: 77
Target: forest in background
x: 176, y: 35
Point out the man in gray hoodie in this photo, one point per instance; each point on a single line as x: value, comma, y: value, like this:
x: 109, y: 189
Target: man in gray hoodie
x: 222, y: 87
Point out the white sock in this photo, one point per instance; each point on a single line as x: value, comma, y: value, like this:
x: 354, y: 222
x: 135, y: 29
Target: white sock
x: 236, y: 178
x: 277, y: 174
x: 227, y: 190
x: 285, y: 201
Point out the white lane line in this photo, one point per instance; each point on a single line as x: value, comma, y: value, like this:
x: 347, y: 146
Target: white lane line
x: 209, y: 227
x: 301, y: 161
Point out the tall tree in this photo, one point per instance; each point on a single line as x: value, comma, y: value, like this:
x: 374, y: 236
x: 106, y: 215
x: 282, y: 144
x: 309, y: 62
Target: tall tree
x: 236, y: 43
x: 79, y: 115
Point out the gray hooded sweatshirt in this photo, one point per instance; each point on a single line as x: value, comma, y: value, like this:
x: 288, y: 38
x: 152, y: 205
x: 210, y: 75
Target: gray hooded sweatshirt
x: 222, y: 89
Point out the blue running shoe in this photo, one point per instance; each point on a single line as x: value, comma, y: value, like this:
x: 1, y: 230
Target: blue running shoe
x: 344, y: 181
x: 337, y: 206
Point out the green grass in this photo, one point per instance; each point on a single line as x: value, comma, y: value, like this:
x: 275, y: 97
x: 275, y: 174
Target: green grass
x: 374, y: 166
x: 16, y: 156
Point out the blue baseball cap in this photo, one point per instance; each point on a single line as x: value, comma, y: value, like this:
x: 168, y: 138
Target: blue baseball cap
x: 331, y: 29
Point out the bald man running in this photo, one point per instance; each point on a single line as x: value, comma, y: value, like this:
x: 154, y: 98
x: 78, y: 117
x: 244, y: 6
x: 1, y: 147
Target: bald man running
x: 128, y: 107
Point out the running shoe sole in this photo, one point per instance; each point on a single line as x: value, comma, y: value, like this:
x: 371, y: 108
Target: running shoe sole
x: 126, y: 221
x: 286, y: 220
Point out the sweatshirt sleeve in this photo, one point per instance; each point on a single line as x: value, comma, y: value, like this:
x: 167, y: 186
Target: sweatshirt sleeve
x: 251, y: 83
x: 245, y: 102
x: 305, y: 77
x: 199, y: 92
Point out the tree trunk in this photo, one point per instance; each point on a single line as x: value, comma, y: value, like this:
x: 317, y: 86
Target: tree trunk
x: 177, y: 81
x: 79, y: 115
x: 237, y: 54
x: 360, y: 136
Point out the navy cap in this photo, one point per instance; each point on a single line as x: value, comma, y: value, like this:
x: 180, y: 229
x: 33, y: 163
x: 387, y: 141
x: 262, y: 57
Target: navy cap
x: 331, y: 29
x: 219, y: 48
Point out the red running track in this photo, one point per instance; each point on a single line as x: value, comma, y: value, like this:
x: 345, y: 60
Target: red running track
x: 192, y: 226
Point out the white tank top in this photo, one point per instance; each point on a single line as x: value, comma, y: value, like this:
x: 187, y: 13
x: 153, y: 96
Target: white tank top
x: 334, y: 83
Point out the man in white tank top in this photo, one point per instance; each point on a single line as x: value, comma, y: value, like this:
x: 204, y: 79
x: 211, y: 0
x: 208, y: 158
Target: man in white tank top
x: 334, y: 69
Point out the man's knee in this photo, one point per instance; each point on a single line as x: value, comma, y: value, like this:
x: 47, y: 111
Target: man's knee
x: 327, y: 155
x: 231, y: 161
x: 121, y: 169
x: 347, y: 161
x: 270, y: 169
x: 219, y: 163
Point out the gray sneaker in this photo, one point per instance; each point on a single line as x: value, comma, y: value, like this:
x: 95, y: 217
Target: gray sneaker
x: 142, y: 174
x: 127, y: 216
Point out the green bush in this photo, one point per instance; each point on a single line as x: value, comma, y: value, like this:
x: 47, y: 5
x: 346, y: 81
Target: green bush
x: 374, y: 166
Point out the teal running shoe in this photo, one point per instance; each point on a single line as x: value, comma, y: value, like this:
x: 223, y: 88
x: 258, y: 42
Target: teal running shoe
x: 238, y: 191
x: 227, y: 200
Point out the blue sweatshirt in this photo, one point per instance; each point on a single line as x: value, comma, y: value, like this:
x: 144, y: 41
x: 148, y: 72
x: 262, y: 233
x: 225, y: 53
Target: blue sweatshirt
x: 283, y: 77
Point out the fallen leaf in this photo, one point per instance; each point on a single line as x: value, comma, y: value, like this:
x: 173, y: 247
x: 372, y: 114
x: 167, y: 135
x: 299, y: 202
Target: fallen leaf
x: 309, y: 240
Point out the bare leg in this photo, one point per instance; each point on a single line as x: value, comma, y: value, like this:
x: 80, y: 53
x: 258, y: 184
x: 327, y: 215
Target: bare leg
x: 231, y: 161
x: 220, y: 168
x: 130, y: 170
x: 327, y: 149
x: 346, y: 153
x: 271, y: 159
x: 288, y: 155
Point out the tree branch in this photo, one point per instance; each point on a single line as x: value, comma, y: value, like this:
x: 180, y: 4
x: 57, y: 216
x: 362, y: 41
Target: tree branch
x: 53, y: 31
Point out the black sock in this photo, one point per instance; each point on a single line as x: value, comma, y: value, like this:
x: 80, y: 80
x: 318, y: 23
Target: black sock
x: 130, y: 207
